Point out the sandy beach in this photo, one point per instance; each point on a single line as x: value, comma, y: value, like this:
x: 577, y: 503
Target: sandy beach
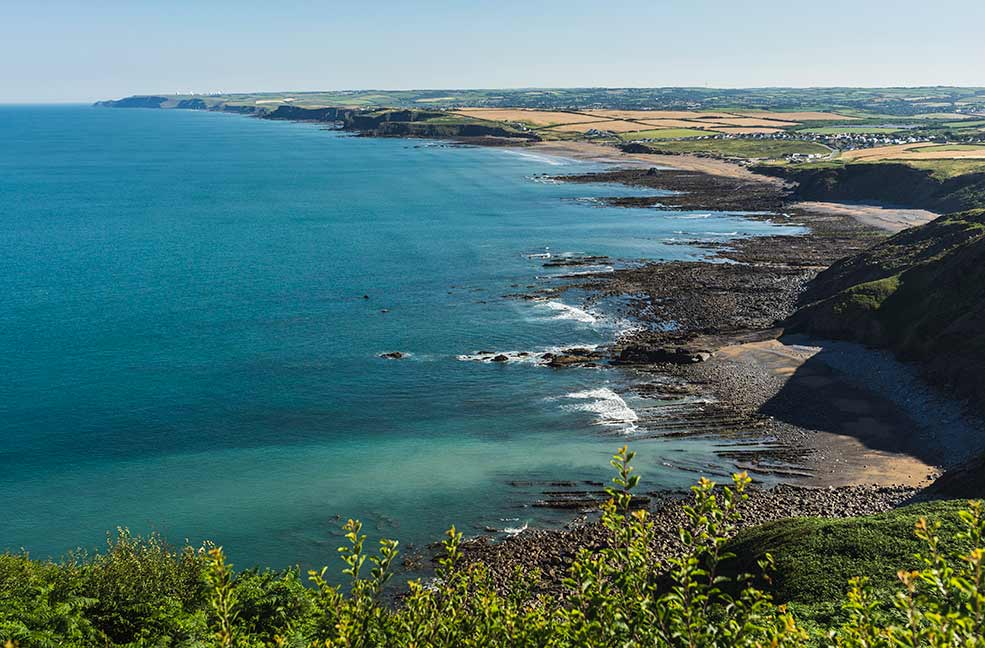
x: 601, y: 153
x: 890, y: 219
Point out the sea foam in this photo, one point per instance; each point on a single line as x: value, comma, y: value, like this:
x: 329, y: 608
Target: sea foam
x: 608, y: 407
x: 564, y: 311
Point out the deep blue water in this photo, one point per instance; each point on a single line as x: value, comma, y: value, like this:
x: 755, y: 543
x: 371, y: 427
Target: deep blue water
x: 185, y: 346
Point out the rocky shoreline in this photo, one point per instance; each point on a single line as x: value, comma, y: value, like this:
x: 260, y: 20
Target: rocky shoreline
x: 552, y: 550
x: 740, y: 297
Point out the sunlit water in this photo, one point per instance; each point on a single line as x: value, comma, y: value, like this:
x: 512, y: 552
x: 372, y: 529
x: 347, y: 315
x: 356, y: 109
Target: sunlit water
x: 185, y: 345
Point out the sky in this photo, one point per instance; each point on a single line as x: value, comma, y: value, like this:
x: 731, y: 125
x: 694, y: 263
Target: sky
x: 85, y: 50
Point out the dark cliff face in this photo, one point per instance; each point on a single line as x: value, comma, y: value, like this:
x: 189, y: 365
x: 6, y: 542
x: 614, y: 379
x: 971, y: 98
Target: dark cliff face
x: 425, y: 129
x: 891, y: 183
x: 297, y: 113
x: 966, y: 481
x: 920, y: 293
x: 240, y: 109
x: 192, y: 104
x: 388, y: 123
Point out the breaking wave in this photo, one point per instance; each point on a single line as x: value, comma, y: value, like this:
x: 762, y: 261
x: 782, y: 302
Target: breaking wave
x: 608, y: 406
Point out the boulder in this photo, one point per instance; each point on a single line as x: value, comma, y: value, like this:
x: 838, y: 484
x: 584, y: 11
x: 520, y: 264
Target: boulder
x: 661, y: 355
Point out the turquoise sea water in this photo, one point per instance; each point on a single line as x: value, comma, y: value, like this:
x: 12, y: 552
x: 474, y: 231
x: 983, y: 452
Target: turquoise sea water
x: 185, y: 345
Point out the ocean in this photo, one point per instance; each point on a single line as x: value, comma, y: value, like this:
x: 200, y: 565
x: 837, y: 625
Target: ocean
x: 193, y: 305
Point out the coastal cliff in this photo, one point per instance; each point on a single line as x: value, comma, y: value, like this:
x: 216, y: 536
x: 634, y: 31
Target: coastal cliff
x: 920, y: 293
x: 891, y: 183
x: 375, y: 122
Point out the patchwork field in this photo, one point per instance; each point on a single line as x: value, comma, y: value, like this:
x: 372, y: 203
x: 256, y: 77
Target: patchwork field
x: 752, y: 122
x: 535, y: 117
x: 676, y: 123
x: 662, y: 133
x: 614, y: 126
x: 919, y: 151
x: 801, y: 116
x: 681, y: 123
x: 741, y: 148
x: 747, y: 131
x: 647, y: 115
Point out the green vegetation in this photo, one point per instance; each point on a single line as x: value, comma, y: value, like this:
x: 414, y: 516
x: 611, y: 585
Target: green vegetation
x: 742, y: 148
x: 838, y: 130
x: 140, y: 593
x: 868, y: 296
x: 663, y: 133
x: 815, y: 557
x: 968, y: 123
x: 945, y: 169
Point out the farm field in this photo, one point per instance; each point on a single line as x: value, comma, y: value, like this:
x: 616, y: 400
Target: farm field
x: 799, y: 116
x: 614, y: 126
x: 752, y: 121
x: 681, y: 123
x: 918, y: 151
x: 742, y: 148
x: 738, y: 130
x: 534, y: 117
x: 662, y: 133
x: 685, y: 123
x: 859, y: 130
x: 648, y: 115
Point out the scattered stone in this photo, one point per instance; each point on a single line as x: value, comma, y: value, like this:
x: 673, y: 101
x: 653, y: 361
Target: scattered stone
x: 393, y: 355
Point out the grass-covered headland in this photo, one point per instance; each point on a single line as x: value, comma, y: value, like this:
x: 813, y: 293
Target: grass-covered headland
x: 895, y: 579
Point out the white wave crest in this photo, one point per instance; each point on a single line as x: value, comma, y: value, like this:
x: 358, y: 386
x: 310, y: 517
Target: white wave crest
x: 553, y: 161
x: 608, y: 406
x: 515, y: 530
x: 564, y: 311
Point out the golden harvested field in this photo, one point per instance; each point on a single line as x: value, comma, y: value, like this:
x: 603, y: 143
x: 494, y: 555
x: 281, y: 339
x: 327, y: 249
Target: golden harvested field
x: 795, y: 116
x: 753, y: 122
x: 680, y: 123
x: 748, y: 131
x: 649, y: 115
x: 536, y: 117
x: 744, y: 122
x: 908, y: 152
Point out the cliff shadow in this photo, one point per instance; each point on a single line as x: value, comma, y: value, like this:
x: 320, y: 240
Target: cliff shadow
x: 817, y: 395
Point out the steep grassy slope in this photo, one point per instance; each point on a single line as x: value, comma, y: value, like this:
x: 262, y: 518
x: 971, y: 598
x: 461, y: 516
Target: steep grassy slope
x: 920, y: 293
x: 816, y: 557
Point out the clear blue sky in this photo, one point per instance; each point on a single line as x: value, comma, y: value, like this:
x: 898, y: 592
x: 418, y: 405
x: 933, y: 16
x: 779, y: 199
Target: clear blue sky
x: 59, y: 50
